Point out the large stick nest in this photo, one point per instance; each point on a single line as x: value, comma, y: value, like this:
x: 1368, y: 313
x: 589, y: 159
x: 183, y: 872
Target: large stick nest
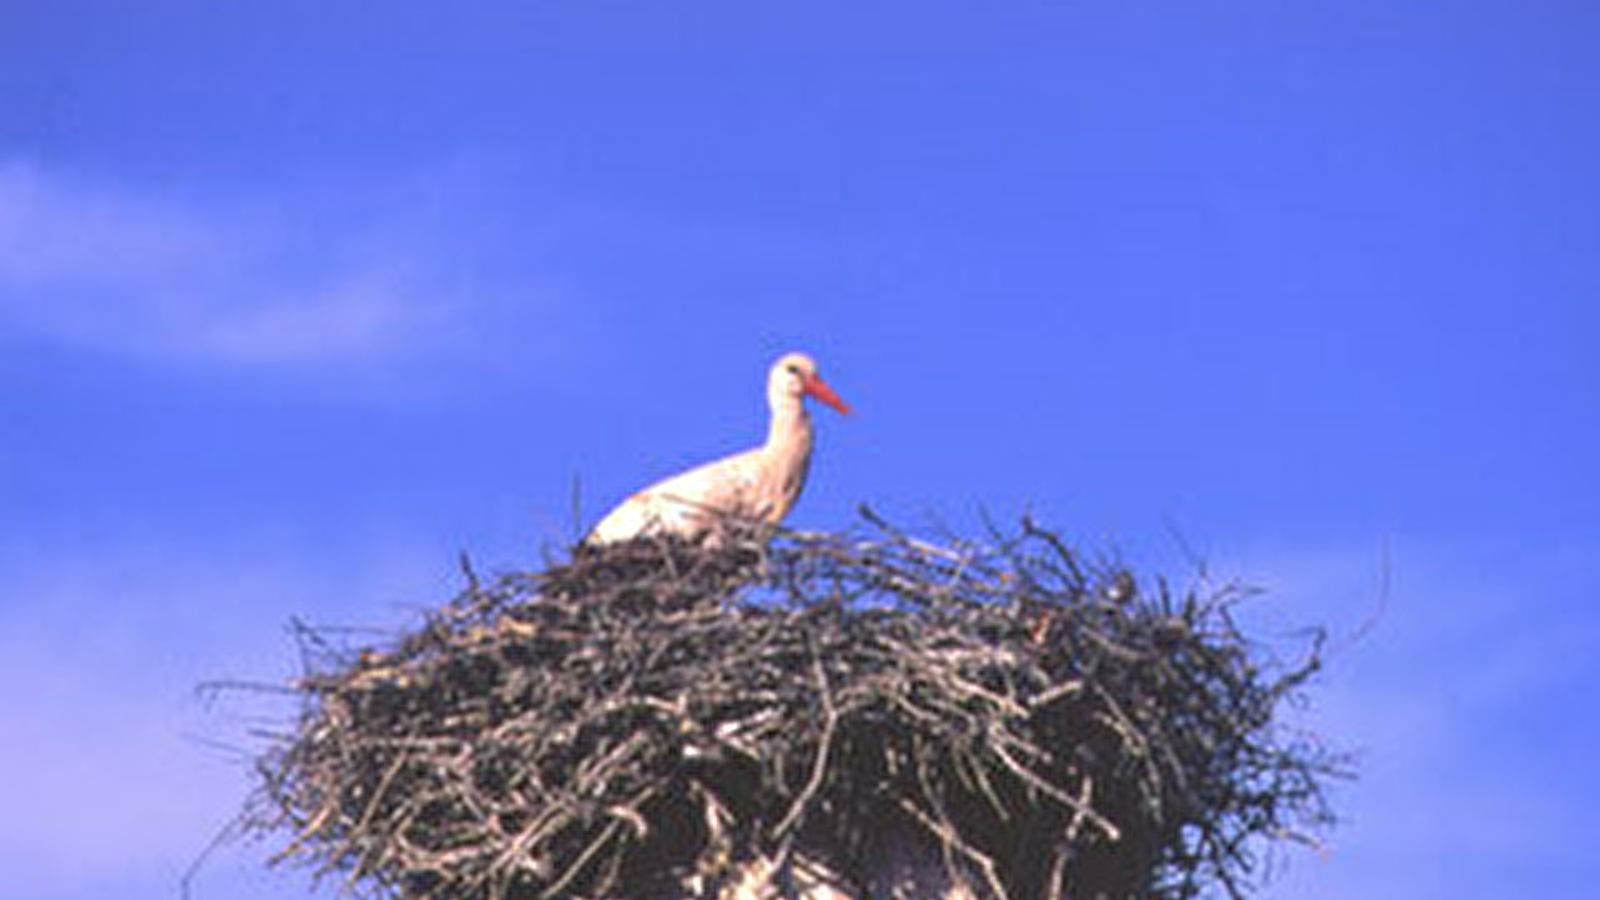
x: 637, y: 721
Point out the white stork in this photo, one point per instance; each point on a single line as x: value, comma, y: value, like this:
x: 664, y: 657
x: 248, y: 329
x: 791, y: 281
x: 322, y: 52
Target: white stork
x: 757, y: 486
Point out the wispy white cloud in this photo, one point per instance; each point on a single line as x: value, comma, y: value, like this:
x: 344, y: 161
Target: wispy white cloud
x: 1458, y: 700
x: 52, y: 230
x: 365, y: 314
x: 282, y: 282
x: 106, y: 753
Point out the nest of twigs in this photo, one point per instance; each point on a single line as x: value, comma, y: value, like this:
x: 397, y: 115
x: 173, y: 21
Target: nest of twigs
x: 647, y: 717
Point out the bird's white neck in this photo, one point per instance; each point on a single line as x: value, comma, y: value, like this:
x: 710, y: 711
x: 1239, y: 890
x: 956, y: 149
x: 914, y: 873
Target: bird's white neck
x: 789, y: 431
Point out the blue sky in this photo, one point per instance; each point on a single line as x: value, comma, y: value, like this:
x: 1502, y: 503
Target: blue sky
x: 300, y: 299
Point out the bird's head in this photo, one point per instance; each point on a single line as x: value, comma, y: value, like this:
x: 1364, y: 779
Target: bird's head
x: 794, y: 376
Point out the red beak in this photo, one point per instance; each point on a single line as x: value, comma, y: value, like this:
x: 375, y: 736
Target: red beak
x: 819, y: 389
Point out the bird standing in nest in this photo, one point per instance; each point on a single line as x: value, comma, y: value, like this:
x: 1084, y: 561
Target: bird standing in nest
x: 758, y: 486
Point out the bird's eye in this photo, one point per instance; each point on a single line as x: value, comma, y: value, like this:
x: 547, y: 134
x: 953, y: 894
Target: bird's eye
x: 795, y: 368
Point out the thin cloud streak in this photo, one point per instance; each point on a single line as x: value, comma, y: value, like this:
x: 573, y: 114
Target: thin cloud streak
x: 124, y: 773
x: 267, y: 284
x: 1434, y: 700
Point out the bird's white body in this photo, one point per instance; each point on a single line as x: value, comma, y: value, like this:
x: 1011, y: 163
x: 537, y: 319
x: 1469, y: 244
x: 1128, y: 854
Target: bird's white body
x: 754, y: 487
